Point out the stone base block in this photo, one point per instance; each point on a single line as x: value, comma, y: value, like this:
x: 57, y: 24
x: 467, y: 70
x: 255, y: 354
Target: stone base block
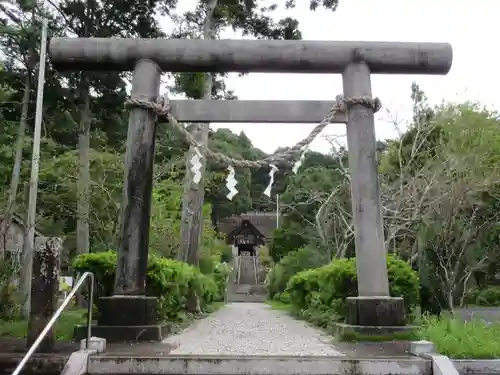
x: 354, y: 332
x: 127, y: 311
x: 97, y: 344
x: 421, y: 347
x: 124, y: 333
x: 375, y: 311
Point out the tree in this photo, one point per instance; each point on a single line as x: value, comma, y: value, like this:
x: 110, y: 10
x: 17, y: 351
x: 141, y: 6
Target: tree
x: 20, y: 26
x: 251, y: 19
x: 94, y: 19
x: 438, y: 196
x: 80, y: 192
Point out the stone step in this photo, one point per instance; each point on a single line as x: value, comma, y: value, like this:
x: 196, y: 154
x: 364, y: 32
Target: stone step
x: 258, y: 289
x: 233, y: 297
x: 248, y: 289
x: 110, y: 364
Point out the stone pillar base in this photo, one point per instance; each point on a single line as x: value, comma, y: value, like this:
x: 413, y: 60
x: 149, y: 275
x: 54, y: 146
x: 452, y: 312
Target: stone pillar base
x: 127, y: 311
x: 126, y: 319
x: 375, y: 311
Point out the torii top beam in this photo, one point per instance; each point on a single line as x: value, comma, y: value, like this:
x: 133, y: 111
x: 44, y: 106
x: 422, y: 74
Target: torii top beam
x: 270, y: 56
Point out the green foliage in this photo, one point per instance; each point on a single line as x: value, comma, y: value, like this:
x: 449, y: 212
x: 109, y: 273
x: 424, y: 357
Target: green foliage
x: 221, y: 275
x: 58, y: 196
x: 239, y: 147
x: 64, y: 98
x: 5, y: 90
x: 164, y: 237
x: 172, y: 281
x: 441, y: 197
x: 9, y: 308
x: 288, y: 266
x: 455, y: 338
x: 308, y: 198
x: 226, y: 255
x: 437, y: 180
x: 311, y: 188
x: 283, y: 242
x: 264, y: 258
x: 63, y: 327
x: 169, y: 280
x: 489, y: 296
x: 103, y: 266
x: 327, y: 287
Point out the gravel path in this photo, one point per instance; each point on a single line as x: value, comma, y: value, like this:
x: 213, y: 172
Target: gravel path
x: 251, y: 329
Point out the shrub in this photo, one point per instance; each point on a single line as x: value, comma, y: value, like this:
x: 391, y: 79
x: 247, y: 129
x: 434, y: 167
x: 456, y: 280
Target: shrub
x: 489, y: 296
x: 103, y: 266
x: 9, y: 307
x: 470, y: 297
x: 283, y: 242
x: 288, y: 266
x: 327, y: 287
x: 221, y: 275
x: 169, y: 280
x: 264, y: 257
x: 211, y: 252
x: 226, y: 255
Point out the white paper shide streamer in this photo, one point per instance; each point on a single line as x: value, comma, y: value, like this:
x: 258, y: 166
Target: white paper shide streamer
x: 299, y: 162
x: 196, y: 166
x: 271, y: 180
x: 231, y: 183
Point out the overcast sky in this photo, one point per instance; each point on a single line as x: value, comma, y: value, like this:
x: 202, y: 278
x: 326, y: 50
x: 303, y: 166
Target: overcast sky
x: 472, y: 27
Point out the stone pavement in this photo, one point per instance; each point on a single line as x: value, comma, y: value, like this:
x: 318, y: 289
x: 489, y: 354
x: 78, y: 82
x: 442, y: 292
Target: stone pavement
x: 252, y: 329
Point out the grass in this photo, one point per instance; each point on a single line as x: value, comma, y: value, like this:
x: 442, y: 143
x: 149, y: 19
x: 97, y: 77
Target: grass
x: 397, y: 336
x: 475, y: 339
x: 214, y: 306
x: 452, y: 337
x: 63, y: 327
x: 278, y: 305
x: 72, y: 317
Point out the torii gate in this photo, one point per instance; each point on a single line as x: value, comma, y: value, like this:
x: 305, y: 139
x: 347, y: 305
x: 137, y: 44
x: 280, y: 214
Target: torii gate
x: 147, y: 58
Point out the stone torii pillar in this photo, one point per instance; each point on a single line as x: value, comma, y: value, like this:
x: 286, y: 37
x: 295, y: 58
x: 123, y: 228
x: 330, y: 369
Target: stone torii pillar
x: 356, y: 61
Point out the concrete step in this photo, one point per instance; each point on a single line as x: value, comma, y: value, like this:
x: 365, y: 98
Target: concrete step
x: 235, y: 297
x: 256, y: 365
x: 239, y: 288
x: 258, y: 289
x: 248, y: 289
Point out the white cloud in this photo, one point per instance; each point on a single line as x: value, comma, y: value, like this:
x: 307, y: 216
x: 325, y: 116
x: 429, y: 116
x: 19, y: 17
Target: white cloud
x: 471, y: 27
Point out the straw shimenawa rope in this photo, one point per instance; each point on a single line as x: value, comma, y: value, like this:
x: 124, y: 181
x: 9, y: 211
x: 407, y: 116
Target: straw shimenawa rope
x: 162, y: 108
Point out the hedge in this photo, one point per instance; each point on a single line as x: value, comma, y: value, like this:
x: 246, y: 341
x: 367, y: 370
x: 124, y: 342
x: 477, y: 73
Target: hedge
x: 489, y: 296
x: 290, y: 265
x: 327, y: 287
x: 169, y: 280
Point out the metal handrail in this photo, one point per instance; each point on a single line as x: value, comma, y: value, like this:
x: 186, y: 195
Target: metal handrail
x: 56, y: 315
x: 239, y: 268
x: 225, y: 290
x: 255, y: 269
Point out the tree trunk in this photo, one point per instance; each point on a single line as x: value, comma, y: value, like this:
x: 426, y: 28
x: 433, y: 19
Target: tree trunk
x: 16, y: 170
x: 214, y: 216
x: 449, y: 297
x: 192, y: 208
x: 192, y: 205
x: 83, y: 203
